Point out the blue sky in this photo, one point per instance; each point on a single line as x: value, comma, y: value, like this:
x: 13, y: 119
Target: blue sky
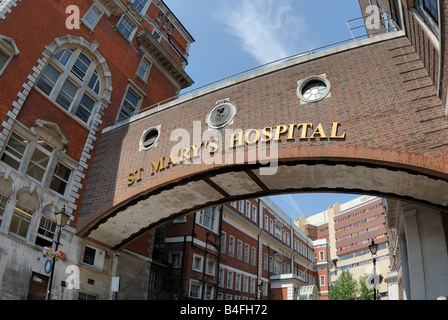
x: 236, y: 35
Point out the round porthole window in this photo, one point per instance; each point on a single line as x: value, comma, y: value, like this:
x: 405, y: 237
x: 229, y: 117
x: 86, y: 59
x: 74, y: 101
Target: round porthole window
x: 313, y: 89
x: 149, y: 138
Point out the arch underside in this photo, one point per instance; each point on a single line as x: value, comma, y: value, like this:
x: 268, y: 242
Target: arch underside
x: 128, y: 220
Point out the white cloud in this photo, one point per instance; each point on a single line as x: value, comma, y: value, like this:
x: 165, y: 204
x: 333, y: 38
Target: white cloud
x: 294, y: 204
x: 267, y: 29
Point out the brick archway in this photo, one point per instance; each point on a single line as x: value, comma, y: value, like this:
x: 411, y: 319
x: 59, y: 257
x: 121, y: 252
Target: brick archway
x: 396, y: 175
x: 378, y: 131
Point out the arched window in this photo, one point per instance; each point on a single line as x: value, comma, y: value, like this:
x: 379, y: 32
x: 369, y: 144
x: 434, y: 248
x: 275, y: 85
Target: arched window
x: 71, y: 79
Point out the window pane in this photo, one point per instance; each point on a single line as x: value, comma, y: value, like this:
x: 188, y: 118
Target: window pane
x: 143, y: 69
x: 94, y: 82
x: 91, y: 16
x: 89, y: 256
x: 46, y: 231
x: 80, y: 67
x: 67, y: 94
x: 3, y: 59
x: 38, y: 164
x: 129, y: 106
x: 48, y: 79
x: 14, y: 151
x: 60, y: 178
x: 63, y: 56
x: 125, y: 27
x: 85, y: 108
x: 20, y: 221
x: 139, y: 4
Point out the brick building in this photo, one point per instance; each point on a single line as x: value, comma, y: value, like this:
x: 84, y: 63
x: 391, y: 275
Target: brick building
x: 349, y: 229
x: 244, y: 250
x: 76, y: 132
x: 60, y: 88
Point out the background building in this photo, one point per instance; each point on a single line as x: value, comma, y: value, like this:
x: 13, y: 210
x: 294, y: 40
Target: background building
x: 244, y: 250
x: 350, y: 228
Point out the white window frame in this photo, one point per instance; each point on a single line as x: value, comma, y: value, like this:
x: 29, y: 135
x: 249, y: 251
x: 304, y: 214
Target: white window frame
x: 223, y: 242
x: 210, y: 267
x: 238, y: 282
x: 197, y: 294
x: 231, y: 246
x: 144, y: 8
x: 246, y: 284
x: 200, y: 260
x: 428, y: 20
x: 3, y: 199
x: 86, y: 22
x: 241, y: 206
x: 83, y: 88
x: 239, y: 250
x: 140, y: 96
x: 253, y: 257
x: 20, y: 213
x: 129, y: 18
x: 254, y: 213
x: 99, y: 256
x: 322, y: 281
x: 229, y: 282
x: 175, y: 258
x: 210, y: 223
x: 8, y: 48
x: 246, y: 253
x: 145, y: 76
x: 321, y: 255
x: 56, y: 157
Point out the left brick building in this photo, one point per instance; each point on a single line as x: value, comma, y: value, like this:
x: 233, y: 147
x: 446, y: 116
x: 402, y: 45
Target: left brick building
x: 59, y: 87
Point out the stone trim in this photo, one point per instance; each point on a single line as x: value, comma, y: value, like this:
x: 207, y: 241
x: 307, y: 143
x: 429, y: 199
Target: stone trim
x: 5, y: 7
x: 103, y: 103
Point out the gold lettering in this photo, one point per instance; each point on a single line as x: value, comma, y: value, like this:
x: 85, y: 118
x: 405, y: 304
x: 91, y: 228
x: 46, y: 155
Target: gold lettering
x: 280, y: 130
x: 319, y: 131
x: 131, y: 179
x: 184, y: 153
x: 291, y: 132
x: 196, y: 150
x: 304, y: 129
x: 334, y: 131
x: 139, y: 174
x: 171, y: 162
x: 233, y: 140
x: 213, y: 145
x: 135, y: 176
x: 157, y: 166
x: 248, y: 134
x: 267, y: 134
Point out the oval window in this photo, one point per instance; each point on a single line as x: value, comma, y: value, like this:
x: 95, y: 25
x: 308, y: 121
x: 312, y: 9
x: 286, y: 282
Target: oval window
x: 149, y: 138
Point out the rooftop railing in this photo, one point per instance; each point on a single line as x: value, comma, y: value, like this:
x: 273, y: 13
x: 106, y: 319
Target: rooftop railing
x: 386, y: 25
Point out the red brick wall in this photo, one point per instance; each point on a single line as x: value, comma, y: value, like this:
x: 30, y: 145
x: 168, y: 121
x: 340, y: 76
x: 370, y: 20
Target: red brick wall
x: 40, y: 25
x: 375, y: 95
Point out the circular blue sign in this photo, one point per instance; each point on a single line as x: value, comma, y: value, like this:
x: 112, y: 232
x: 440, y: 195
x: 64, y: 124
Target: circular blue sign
x: 48, y: 265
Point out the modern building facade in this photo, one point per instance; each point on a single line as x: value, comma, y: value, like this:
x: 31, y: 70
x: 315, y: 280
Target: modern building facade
x: 350, y: 228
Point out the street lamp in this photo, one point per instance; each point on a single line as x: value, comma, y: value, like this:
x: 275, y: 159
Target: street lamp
x: 260, y: 289
x: 373, y: 249
x: 61, y: 220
